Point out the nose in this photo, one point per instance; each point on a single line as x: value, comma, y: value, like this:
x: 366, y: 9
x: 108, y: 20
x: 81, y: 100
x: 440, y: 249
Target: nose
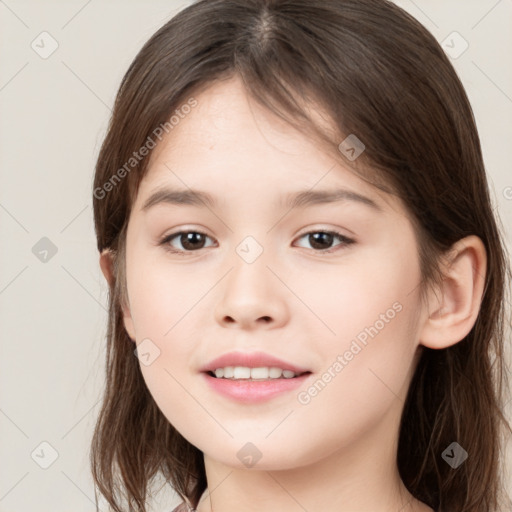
x: 252, y: 297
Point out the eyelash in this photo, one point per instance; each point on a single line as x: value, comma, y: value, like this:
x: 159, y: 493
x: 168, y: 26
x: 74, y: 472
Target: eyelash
x: 165, y: 241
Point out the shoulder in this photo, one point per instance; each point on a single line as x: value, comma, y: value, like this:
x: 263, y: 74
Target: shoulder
x: 183, y: 507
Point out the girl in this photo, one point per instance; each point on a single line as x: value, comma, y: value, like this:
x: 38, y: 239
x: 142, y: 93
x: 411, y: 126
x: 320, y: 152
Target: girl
x: 335, y: 340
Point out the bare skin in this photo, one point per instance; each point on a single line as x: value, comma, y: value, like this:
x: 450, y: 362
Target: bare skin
x: 334, y: 451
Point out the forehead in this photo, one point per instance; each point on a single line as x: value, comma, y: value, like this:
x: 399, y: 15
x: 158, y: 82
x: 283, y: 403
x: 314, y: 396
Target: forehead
x: 228, y: 137
x: 225, y: 113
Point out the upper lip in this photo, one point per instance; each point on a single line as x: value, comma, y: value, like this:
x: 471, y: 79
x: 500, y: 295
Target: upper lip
x: 251, y: 360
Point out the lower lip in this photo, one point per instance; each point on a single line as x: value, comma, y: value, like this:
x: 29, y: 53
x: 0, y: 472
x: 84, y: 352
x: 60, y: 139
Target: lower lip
x: 254, y: 391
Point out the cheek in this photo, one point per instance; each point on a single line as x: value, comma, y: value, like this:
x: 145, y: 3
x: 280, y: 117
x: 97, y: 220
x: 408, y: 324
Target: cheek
x: 162, y: 294
x: 168, y: 377
x: 362, y: 296
x: 161, y: 298
x: 374, y: 336
x: 347, y: 301
x: 359, y: 385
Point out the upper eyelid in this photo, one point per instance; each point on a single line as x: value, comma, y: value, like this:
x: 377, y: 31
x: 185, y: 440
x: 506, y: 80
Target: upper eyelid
x: 314, y: 230
x: 334, y: 232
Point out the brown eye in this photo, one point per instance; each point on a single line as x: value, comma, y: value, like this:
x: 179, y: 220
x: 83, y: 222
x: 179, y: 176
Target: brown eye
x: 322, y: 240
x: 193, y: 241
x: 190, y: 241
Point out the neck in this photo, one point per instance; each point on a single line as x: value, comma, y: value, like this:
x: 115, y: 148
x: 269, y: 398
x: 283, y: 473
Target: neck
x: 361, y: 475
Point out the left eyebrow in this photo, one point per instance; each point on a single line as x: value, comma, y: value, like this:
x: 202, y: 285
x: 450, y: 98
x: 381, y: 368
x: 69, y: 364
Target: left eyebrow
x: 300, y: 199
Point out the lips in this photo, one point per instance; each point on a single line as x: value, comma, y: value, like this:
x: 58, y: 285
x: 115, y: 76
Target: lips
x: 253, y: 391
x: 251, y: 360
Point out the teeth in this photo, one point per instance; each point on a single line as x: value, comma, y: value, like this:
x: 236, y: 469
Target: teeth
x: 241, y: 372
x: 244, y: 372
x: 275, y: 373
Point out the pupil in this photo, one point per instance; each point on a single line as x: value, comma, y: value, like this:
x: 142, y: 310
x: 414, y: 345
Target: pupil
x: 190, y: 238
x: 319, y: 240
x: 327, y: 238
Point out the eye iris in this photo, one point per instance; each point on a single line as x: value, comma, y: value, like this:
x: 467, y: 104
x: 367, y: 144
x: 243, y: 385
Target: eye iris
x: 193, y: 240
x: 190, y: 238
x: 326, y: 237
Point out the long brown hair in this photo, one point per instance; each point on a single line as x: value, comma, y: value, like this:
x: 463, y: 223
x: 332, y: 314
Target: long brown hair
x: 382, y: 76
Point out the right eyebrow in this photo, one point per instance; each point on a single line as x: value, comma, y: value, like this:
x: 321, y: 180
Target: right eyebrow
x: 179, y: 197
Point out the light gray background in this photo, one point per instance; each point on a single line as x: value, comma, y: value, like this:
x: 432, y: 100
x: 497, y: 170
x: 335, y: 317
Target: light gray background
x: 54, y: 114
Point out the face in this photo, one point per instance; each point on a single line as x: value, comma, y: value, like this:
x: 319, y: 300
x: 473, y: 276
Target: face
x: 328, y: 287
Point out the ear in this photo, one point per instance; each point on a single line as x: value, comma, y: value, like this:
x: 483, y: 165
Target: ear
x: 107, y: 267
x: 453, y: 310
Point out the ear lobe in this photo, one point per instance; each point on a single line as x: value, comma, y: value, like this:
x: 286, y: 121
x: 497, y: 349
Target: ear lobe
x: 107, y: 268
x: 454, y: 309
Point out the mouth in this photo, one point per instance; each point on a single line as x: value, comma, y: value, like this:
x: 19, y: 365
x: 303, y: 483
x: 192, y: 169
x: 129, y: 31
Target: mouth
x: 252, y: 377
x: 259, y: 374
x: 247, y: 385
